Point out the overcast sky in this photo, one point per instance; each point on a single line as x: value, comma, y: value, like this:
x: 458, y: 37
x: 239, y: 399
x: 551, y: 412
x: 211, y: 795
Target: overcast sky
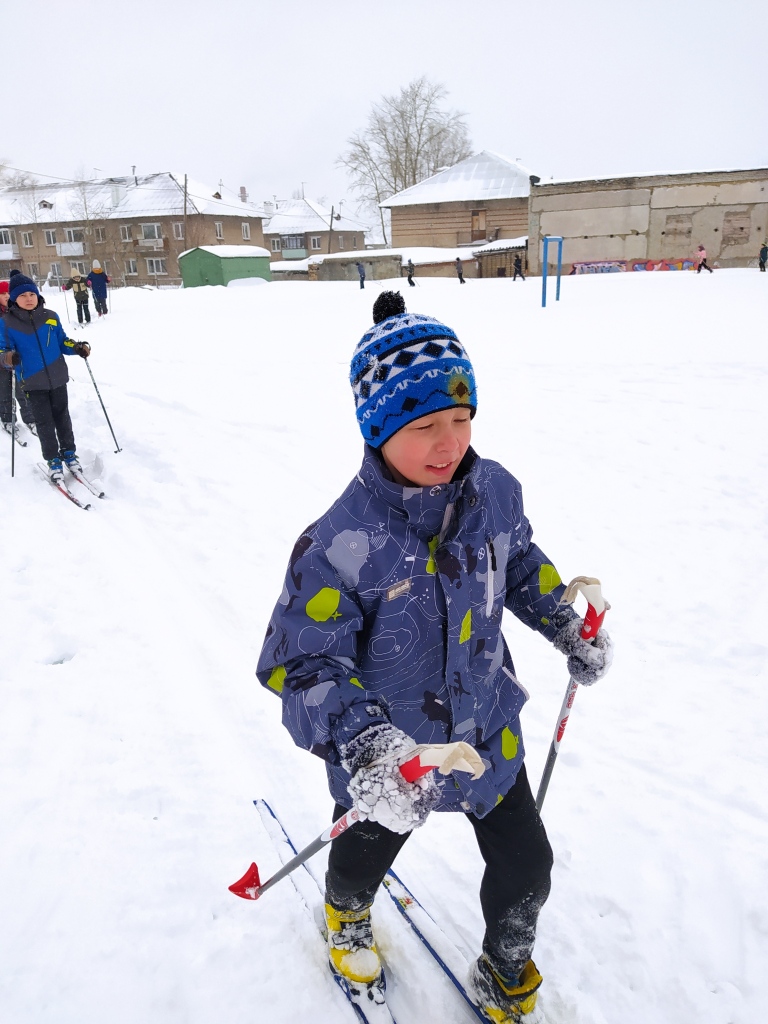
x: 266, y: 94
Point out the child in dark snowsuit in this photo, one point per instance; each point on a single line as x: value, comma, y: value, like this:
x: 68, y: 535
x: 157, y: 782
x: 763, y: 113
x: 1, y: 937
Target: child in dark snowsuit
x: 97, y: 280
x: 80, y: 291
x: 33, y: 342
x: 388, y: 634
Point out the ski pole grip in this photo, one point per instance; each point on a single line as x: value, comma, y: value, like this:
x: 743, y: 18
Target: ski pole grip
x: 593, y: 620
x: 414, y: 769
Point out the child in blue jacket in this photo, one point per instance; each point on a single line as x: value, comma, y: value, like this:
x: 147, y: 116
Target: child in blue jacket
x: 388, y: 634
x: 33, y: 342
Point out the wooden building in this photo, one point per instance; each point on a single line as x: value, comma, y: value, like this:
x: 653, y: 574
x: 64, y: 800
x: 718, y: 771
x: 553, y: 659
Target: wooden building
x: 480, y: 199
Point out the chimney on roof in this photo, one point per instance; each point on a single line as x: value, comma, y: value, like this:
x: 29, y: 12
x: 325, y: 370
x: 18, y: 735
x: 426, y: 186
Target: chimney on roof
x: 118, y: 193
x: 269, y: 208
x: 243, y: 194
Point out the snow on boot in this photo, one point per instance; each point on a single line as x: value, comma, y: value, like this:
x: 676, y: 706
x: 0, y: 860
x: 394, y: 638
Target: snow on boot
x: 351, y: 946
x: 504, y: 1000
x: 72, y: 462
x: 32, y: 428
x: 55, y: 471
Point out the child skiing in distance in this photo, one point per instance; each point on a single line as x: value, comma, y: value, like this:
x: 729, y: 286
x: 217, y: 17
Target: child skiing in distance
x: 97, y: 281
x: 80, y: 291
x: 388, y: 634
x: 459, y: 270
x: 33, y: 342
x: 701, y: 256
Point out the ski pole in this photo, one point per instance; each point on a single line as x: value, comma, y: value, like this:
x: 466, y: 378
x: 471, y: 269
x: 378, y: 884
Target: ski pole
x: 446, y: 757
x: 593, y: 620
x: 13, y: 421
x: 117, y: 448
x: 66, y: 302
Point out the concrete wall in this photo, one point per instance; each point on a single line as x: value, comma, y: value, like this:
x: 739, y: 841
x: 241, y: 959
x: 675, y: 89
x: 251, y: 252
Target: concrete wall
x: 664, y: 217
x: 377, y: 268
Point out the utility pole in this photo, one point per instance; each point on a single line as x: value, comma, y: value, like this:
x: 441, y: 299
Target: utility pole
x: 330, y: 232
x: 185, y: 210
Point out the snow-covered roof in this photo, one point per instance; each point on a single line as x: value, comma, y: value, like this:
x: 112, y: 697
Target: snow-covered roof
x: 480, y: 177
x: 650, y: 174
x: 147, y: 195
x: 231, y: 251
x: 301, y: 216
x: 501, y: 245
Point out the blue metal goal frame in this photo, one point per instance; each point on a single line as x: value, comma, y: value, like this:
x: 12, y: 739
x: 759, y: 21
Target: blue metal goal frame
x: 547, y: 240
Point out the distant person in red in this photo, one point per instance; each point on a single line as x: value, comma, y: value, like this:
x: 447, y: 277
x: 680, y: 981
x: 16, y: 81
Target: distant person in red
x: 97, y: 281
x: 701, y: 256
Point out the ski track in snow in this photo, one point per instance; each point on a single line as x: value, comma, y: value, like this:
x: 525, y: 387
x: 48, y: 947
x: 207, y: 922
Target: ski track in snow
x: 134, y: 735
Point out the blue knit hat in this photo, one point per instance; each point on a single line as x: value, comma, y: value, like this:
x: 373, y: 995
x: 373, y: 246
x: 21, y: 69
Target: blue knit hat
x: 406, y: 367
x: 19, y: 284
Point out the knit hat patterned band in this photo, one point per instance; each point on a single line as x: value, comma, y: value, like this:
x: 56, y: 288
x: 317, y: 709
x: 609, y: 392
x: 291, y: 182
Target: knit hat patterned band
x: 20, y: 284
x: 406, y: 367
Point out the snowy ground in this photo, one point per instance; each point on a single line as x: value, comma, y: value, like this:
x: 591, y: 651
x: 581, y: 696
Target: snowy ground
x: 133, y: 735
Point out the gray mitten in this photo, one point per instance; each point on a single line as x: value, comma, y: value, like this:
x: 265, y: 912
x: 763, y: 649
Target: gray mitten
x: 587, y: 662
x: 379, y: 791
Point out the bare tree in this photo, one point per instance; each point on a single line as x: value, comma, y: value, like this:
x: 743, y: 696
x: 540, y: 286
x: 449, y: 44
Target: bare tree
x: 408, y: 138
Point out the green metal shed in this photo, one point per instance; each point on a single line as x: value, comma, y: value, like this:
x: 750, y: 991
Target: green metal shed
x: 220, y: 264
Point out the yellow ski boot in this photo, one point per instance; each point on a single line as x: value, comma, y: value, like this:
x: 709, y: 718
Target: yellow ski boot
x: 351, y: 946
x: 504, y: 1000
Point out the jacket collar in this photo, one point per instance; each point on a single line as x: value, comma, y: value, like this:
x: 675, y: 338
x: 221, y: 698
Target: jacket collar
x: 423, y: 506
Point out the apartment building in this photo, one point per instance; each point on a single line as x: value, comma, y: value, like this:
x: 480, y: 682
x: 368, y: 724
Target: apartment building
x: 136, y: 226
x: 297, y: 228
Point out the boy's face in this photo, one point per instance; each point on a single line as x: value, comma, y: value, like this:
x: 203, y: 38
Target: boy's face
x: 27, y: 300
x: 429, y: 450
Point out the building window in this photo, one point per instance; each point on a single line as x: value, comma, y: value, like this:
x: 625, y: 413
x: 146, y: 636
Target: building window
x: 101, y: 235
x: 341, y: 241
x: 50, y: 236
x: 79, y: 267
x: 125, y: 232
x: 34, y: 270
x: 293, y: 241
x: 151, y: 232
x: 314, y: 241
x: 218, y: 225
x: 178, y: 231
x: 5, y: 236
x: 54, y: 273
x: 74, y: 234
x: 26, y: 239
x: 246, y: 231
x: 131, y: 270
x: 276, y: 245
x: 156, y: 267
x: 354, y: 241
x: 45, y: 205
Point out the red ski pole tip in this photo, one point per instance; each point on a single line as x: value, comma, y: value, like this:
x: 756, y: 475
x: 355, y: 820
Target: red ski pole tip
x: 249, y: 885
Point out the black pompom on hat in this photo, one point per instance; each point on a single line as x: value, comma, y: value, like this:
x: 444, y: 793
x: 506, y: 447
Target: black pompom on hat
x: 388, y: 304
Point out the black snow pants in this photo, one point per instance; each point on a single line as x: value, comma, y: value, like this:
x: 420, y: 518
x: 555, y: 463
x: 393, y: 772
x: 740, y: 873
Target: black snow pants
x: 703, y: 266
x: 54, y: 427
x: 516, y: 882
x: 83, y: 311
x: 6, y: 396
x: 100, y: 304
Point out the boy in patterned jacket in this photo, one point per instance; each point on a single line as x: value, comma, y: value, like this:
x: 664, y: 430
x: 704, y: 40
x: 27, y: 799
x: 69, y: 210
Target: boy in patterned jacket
x: 388, y: 635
